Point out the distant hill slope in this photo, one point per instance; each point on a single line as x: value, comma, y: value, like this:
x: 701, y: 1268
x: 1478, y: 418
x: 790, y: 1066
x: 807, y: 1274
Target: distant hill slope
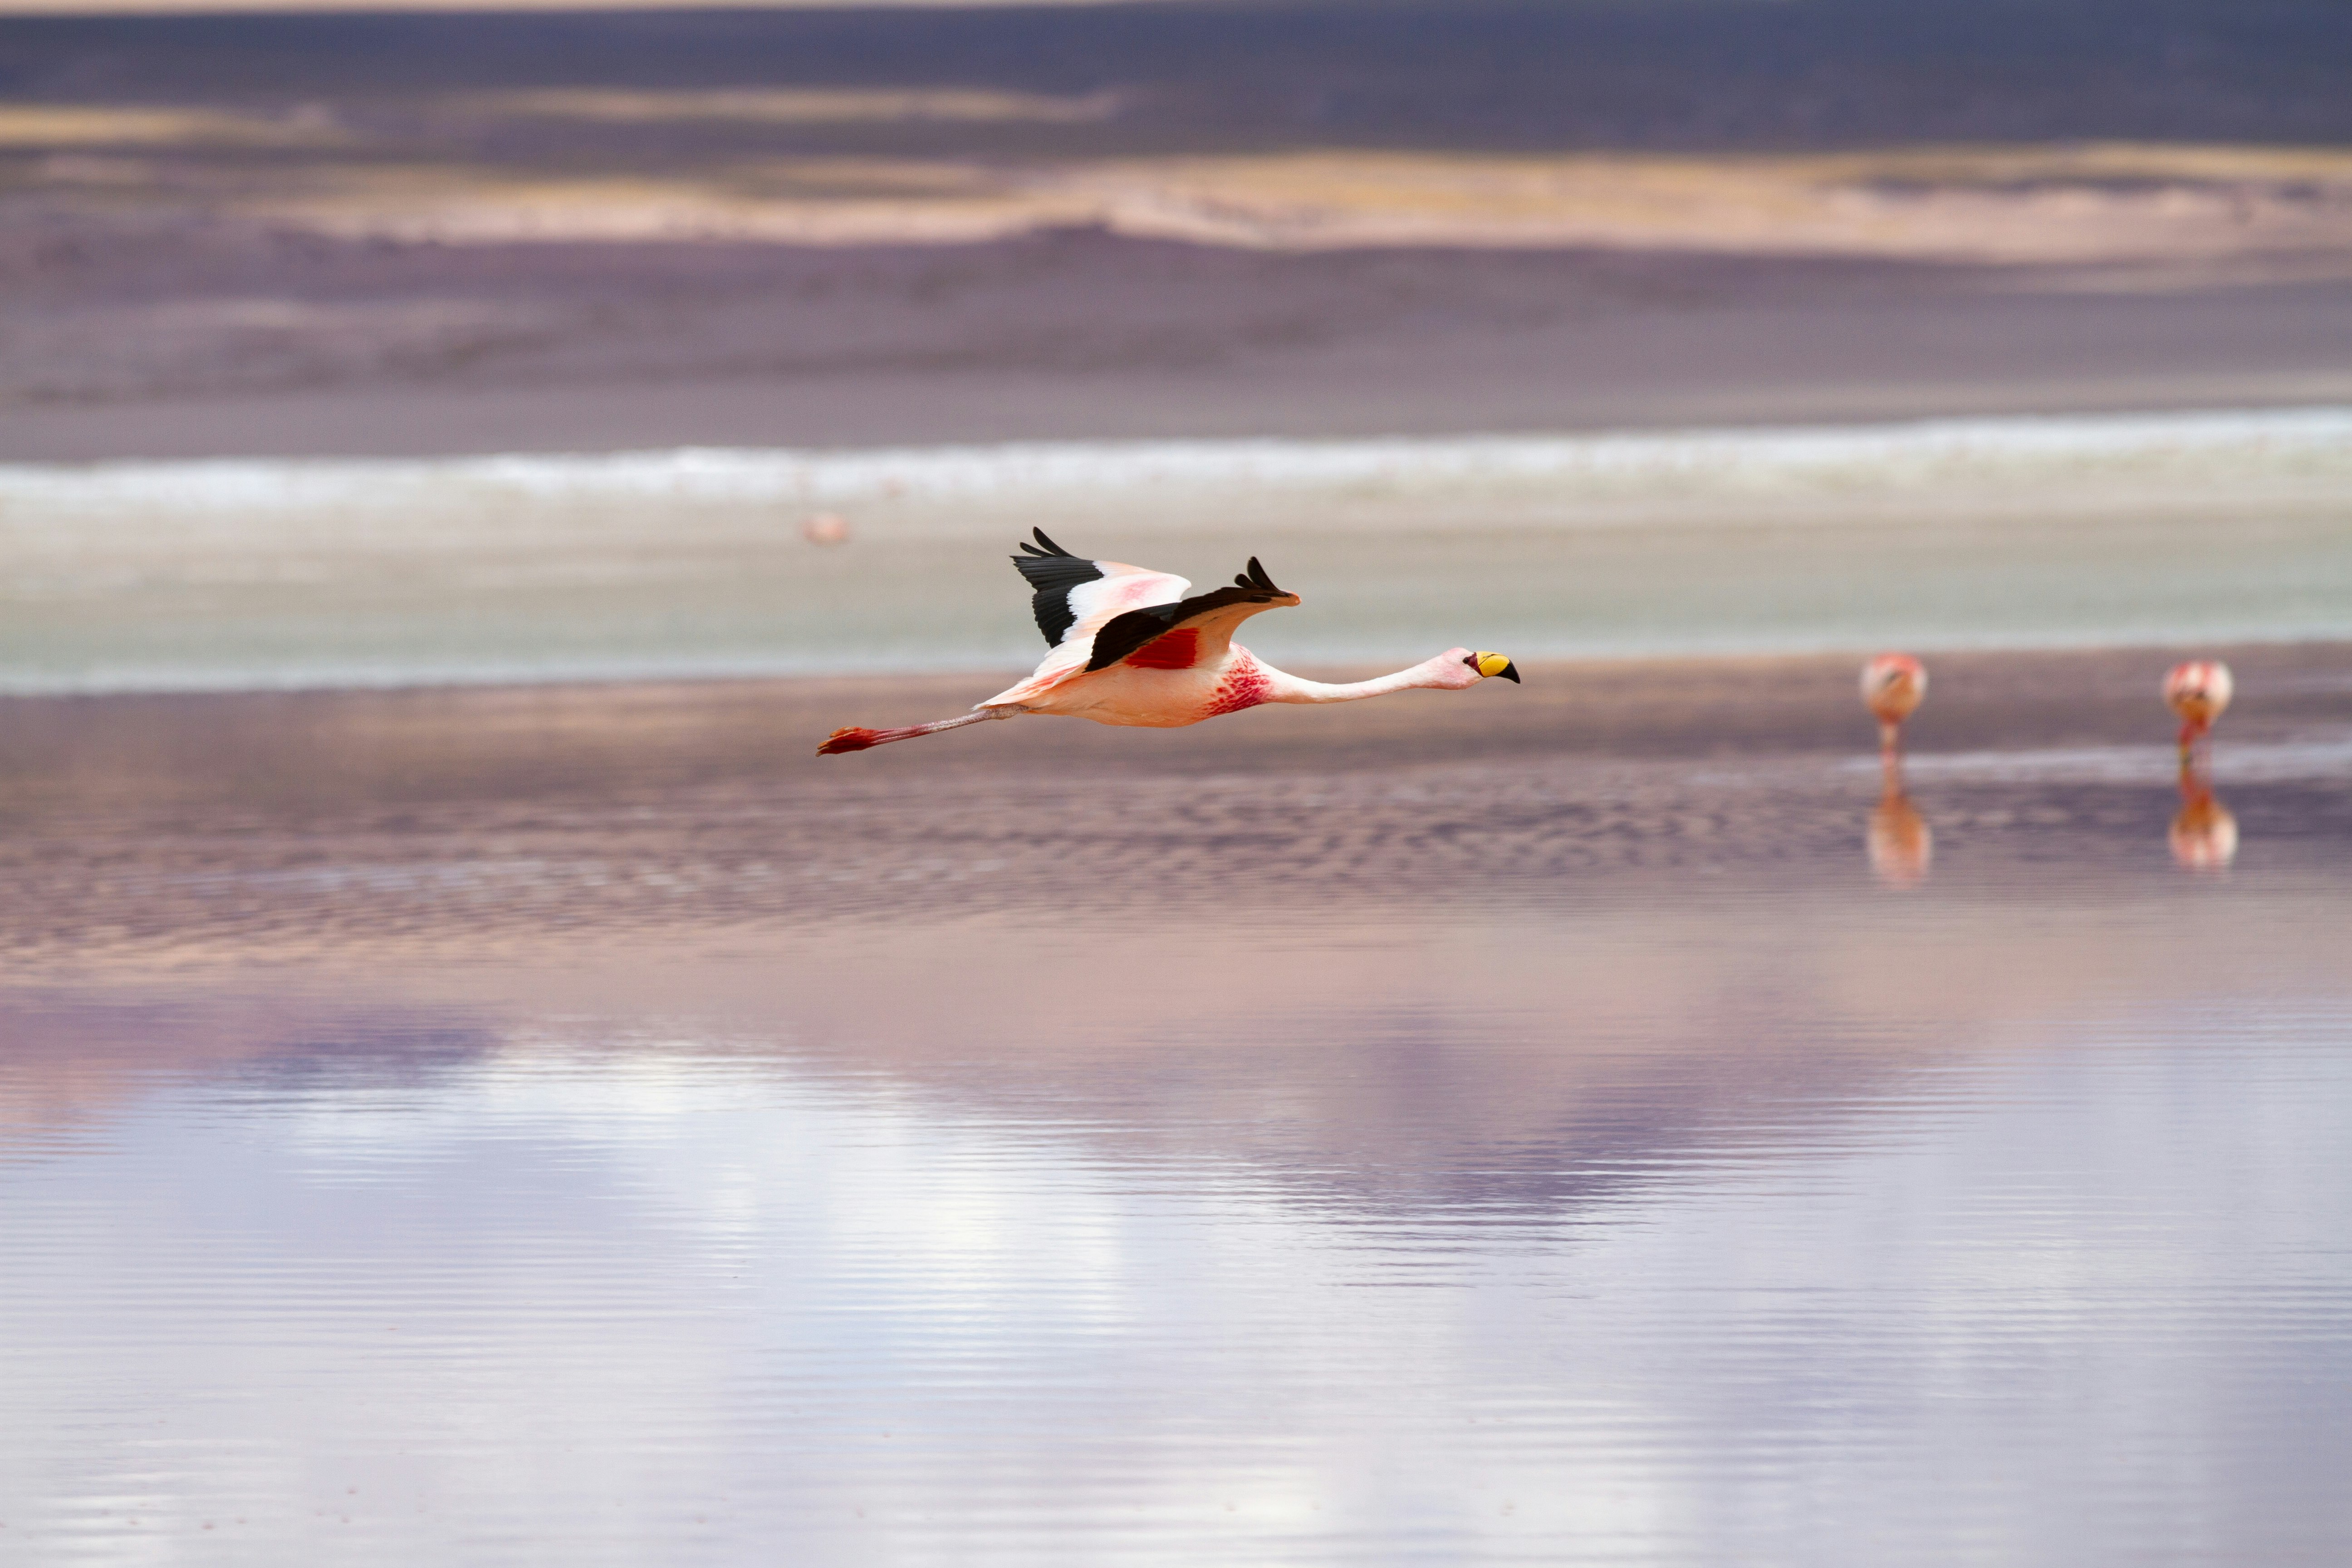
x: 1688, y: 74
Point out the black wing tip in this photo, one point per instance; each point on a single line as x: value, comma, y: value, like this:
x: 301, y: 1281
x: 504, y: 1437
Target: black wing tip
x: 1256, y: 577
x: 1052, y: 572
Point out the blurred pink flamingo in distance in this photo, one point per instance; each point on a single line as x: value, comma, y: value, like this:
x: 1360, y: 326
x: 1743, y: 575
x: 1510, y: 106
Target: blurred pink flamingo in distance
x: 1901, y: 844
x: 1892, y: 687
x: 2198, y: 690
x: 2204, y: 836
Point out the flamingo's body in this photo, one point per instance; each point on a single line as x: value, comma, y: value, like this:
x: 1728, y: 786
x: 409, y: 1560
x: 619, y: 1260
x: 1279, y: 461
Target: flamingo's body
x: 1133, y: 645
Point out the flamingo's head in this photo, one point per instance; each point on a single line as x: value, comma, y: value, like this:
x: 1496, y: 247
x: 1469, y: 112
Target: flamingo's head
x: 1892, y: 685
x: 1458, y: 667
x: 2198, y: 691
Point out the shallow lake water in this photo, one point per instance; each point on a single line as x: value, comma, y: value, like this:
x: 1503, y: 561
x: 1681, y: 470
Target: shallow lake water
x: 1731, y: 1194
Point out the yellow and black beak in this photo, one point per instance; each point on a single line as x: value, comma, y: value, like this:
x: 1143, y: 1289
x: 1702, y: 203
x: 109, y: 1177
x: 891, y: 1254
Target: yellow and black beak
x: 1493, y: 664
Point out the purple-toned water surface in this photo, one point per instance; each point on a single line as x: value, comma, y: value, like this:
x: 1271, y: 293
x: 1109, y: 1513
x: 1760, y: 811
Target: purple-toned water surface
x: 1653, y: 1179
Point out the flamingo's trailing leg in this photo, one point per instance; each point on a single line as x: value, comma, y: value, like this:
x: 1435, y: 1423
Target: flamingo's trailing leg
x: 856, y: 740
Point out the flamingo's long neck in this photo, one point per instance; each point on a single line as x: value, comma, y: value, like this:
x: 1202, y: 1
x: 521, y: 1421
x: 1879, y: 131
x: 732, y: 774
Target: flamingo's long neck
x: 1283, y: 687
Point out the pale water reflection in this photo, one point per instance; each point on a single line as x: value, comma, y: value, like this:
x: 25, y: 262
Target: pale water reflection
x: 1800, y: 1221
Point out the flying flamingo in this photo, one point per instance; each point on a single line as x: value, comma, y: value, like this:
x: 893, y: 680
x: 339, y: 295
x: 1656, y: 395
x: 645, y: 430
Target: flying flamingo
x: 2198, y: 691
x: 1892, y: 685
x: 1131, y: 647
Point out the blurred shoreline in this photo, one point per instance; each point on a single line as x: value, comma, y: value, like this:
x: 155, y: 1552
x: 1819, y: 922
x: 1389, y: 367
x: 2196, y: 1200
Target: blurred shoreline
x: 2206, y: 527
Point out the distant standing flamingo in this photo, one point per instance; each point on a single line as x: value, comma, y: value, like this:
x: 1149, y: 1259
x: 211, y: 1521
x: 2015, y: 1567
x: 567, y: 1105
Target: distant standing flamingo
x: 1892, y: 685
x: 2204, y: 836
x: 2198, y: 690
x: 1131, y: 647
x: 1901, y: 844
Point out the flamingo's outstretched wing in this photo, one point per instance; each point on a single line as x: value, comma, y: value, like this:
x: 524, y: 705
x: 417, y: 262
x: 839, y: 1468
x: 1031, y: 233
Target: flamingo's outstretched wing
x: 1075, y: 599
x: 1190, y: 631
x: 1072, y: 591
